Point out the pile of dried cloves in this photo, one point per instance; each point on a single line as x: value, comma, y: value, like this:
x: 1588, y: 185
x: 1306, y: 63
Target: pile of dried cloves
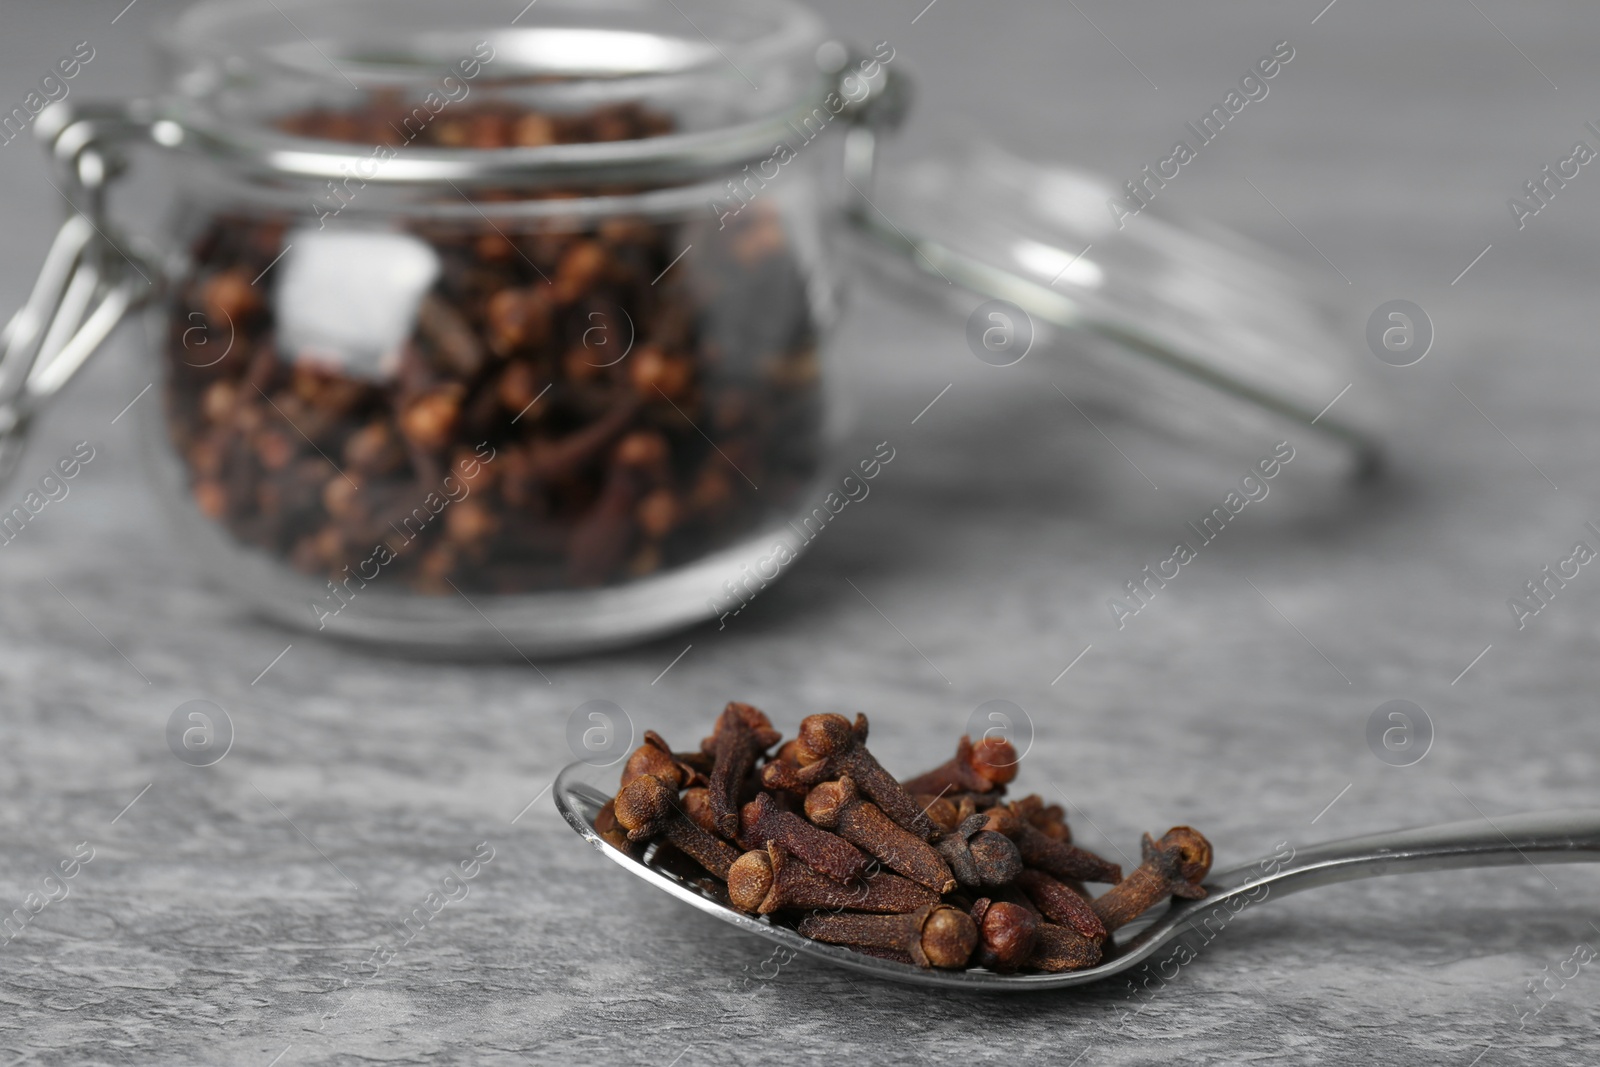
x: 582, y: 400
x: 938, y: 870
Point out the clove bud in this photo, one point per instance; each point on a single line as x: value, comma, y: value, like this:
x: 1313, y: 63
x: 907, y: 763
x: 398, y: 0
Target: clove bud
x: 1172, y: 867
x: 980, y: 857
x: 1049, y: 819
x: 1006, y: 934
x: 1060, y: 904
x: 782, y: 772
x: 741, y: 735
x: 837, y: 806
x: 655, y: 757
x: 647, y: 808
x: 763, y: 881
x: 1060, y: 949
x: 984, y: 767
x: 764, y: 823
x: 1046, y: 853
x: 830, y: 746
x: 936, y: 935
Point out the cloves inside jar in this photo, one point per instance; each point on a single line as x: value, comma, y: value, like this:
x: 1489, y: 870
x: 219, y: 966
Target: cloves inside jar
x: 471, y: 341
x: 562, y: 412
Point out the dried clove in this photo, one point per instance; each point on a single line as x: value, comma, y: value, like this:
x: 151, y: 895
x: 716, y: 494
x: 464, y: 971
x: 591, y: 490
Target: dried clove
x: 599, y: 540
x: 978, y: 856
x: 942, y: 811
x: 782, y: 772
x: 1048, y: 819
x: 655, y: 757
x: 228, y: 298
x: 566, y: 457
x: 764, y: 823
x: 1057, y: 948
x: 648, y: 808
x: 985, y: 767
x: 1045, y: 853
x: 696, y: 804
x: 1060, y: 904
x: 837, y: 806
x: 740, y: 737
x: 1172, y: 867
x: 1006, y: 934
x: 830, y: 746
x: 763, y: 881
x: 459, y: 352
x: 936, y: 935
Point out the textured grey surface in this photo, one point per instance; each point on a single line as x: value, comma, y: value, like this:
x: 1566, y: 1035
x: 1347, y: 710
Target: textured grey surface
x: 208, y: 928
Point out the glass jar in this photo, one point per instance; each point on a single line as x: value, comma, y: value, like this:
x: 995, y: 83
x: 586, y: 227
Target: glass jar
x: 474, y: 329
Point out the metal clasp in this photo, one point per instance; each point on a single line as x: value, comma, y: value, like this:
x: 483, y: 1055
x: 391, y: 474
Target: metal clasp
x: 876, y: 101
x: 90, y: 278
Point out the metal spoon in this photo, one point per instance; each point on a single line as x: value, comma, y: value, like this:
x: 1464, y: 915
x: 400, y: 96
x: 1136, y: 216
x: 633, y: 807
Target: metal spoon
x: 1535, y: 838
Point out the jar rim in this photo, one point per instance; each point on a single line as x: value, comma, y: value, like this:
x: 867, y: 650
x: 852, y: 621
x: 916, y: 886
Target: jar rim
x: 757, y: 66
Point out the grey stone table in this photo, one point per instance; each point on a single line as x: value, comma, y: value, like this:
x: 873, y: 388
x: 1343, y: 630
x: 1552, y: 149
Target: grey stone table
x: 234, y: 914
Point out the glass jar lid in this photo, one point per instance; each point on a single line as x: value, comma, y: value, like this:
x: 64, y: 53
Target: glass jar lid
x: 1169, y: 305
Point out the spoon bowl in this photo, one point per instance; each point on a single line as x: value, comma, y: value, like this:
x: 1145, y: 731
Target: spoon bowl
x: 1548, y: 837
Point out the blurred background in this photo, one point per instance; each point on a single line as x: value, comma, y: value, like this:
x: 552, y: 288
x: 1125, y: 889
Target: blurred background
x: 226, y: 914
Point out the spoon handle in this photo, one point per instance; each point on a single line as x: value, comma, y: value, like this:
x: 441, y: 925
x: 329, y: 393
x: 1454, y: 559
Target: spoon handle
x: 1535, y: 838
